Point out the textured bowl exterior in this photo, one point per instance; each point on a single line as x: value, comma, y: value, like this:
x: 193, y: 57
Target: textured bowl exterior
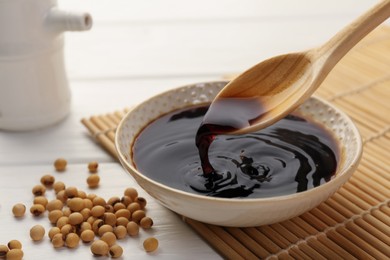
x: 237, y: 212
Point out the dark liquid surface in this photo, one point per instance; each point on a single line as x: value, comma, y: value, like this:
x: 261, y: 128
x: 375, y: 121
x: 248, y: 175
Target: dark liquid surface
x: 290, y: 156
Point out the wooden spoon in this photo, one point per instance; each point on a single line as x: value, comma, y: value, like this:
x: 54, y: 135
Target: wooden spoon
x: 273, y: 88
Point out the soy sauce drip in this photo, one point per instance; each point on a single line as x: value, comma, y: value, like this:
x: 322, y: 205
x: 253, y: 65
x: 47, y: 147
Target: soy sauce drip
x: 224, y: 116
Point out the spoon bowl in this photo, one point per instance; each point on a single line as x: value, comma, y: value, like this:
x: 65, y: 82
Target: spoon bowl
x: 282, y: 79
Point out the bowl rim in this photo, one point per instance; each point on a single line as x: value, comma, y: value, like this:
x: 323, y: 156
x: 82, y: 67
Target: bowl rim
x: 348, y: 171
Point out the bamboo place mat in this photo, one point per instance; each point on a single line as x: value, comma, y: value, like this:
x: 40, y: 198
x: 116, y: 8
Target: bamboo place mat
x: 355, y: 221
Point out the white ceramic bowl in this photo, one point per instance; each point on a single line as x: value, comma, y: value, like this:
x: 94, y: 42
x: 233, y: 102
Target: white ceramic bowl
x: 237, y: 212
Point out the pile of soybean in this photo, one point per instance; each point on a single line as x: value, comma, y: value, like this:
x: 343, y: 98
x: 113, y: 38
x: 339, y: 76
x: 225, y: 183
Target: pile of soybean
x: 77, y: 216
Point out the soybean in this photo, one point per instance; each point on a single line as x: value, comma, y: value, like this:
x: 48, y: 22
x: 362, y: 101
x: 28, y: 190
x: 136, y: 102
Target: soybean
x: 146, y: 222
x: 66, y: 212
x: 18, y: 210
x: 72, y: 240
x: 58, y: 186
x: 141, y: 201
x: 99, y: 248
x: 38, y: 190
x: 109, y: 208
x: 88, y: 203
x: 54, y: 204
x: 150, y: 244
x: 48, y: 180
x: 99, y: 201
x: 75, y: 218
x: 14, y: 254
x: 37, y: 209
x: 91, y: 219
x: 93, y: 167
x: 61, y: 195
x: 71, y: 192
x: 93, y: 181
x: 126, y: 200
x: 54, y: 231
x: 58, y: 240
x: 54, y: 215
x: 138, y: 215
x: 121, y: 221
x: 40, y: 200
x: 85, y: 226
x: 109, y: 218
x: 105, y: 228
x: 81, y: 194
x: 3, y: 250
x: 86, y: 213
x: 119, y: 206
x: 75, y: 204
x: 37, y: 232
x: 67, y: 229
x: 62, y: 221
x: 113, y: 200
x: 132, y: 228
x: 116, y: 251
x: 134, y: 206
x: 14, y: 244
x: 109, y: 238
x: 120, y: 232
x: 96, y: 225
x: 60, y: 164
x: 87, y: 236
x: 131, y: 192
x: 123, y: 213
x: 97, y: 211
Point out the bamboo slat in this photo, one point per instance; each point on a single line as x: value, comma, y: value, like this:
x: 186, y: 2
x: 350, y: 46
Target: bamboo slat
x: 355, y: 222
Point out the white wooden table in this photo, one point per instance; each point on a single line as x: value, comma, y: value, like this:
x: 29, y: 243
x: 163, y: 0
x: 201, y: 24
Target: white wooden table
x: 135, y: 50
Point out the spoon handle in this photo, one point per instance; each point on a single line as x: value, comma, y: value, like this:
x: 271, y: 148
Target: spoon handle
x: 333, y: 50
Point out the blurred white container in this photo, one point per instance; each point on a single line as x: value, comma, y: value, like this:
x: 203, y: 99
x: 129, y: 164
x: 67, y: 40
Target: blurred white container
x: 34, y: 90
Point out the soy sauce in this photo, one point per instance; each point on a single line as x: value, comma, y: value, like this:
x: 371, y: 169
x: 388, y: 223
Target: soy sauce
x: 290, y: 156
